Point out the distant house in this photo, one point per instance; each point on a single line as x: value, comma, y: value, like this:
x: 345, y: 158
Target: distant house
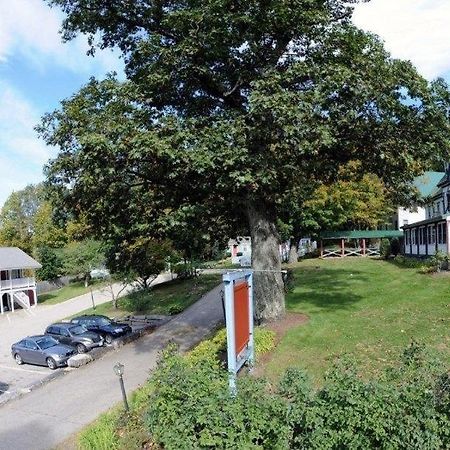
x: 426, y: 184
x: 429, y: 235
x: 241, y: 250
x: 17, y: 282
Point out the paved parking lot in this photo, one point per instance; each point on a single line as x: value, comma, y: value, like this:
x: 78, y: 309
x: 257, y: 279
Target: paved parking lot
x: 14, y: 326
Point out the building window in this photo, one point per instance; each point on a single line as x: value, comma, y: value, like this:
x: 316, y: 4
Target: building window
x: 422, y: 236
x: 431, y: 235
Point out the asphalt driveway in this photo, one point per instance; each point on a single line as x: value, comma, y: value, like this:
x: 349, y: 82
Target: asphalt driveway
x: 48, y: 415
x: 21, y: 323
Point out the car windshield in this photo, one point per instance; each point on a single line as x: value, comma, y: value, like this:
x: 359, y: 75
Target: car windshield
x: 46, y: 342
x: 79, y: 329
x: 103, y: 321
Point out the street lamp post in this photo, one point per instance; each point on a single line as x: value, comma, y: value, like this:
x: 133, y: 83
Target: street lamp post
x: 118, y: 370
x: 92, y: 297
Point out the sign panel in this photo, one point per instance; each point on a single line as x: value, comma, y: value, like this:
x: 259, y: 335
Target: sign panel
x: 241, y: 317
x: 239, y: 321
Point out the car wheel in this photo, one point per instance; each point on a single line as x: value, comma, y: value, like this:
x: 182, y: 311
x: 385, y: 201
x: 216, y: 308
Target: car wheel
x: 108, y: 338
x: 51, y: 363
x: 18, y: 359
x: 81, y: 348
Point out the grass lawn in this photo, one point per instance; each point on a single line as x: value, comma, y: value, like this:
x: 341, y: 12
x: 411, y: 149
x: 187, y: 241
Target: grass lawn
x: 166, y: 298
x: 370, y: 309
x: 67, y: 292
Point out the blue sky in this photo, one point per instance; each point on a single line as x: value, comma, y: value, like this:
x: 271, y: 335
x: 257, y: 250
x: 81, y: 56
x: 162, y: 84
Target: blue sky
x: 37, y: 70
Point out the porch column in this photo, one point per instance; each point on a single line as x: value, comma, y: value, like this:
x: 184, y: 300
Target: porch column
x: 426, y: 229
x: 34, y: 297
x: 447, y: 240
x: 321, y: 248
x: 1, y: 302
x: 436, y: 237
x: 11, y: 300
x: 364, y: 247
x: 342, y: 248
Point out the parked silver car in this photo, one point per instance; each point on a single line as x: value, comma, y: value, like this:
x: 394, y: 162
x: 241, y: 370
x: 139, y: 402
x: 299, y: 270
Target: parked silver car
x: 41, y: 350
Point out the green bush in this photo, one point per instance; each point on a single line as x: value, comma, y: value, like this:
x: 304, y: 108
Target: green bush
x: 191, y: 408
x: 139, y: 300
x: 395, y: 246
x: 438, y: 261
x: 385, y: 248
x: 212, y: 349
x: 407, y: 407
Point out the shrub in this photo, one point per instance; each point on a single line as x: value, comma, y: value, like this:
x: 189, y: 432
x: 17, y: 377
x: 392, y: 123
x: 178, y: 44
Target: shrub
x: 138, y: 300
x: 191, y: 408
x: 438, y: 261
x: 407, y: 407
x: 395, y: 246
x: 214, y: 348
x: 385, y: 248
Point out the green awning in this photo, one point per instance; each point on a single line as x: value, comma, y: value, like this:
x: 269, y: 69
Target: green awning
x: 361, y: 234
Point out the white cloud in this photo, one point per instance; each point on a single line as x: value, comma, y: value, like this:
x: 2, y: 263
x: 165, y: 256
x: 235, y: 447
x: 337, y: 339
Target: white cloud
x: 30, y: 28
x: 413, y: 30
x: 22, y: 154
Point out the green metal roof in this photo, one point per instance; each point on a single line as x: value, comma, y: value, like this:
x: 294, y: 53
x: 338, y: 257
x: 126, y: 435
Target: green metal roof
x: 361, y: 234
x: 427, y: 183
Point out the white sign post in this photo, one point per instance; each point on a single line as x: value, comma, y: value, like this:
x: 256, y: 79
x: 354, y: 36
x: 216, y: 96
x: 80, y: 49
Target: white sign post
x: 239, y: 322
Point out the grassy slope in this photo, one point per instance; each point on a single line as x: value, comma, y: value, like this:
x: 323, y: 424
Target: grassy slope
x: 67, y: 292
x: 368, y: 308
x: 175, y: 294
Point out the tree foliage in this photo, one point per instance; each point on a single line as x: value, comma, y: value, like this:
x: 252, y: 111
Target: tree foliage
x: 52, y: 265
x: 17, y: 218
x: 143, y: 260
x: 234, y: 106
x: 81, y: 257
x: 356, y: 200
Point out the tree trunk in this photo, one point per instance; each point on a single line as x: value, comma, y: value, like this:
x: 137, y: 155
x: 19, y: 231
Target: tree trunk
x: 293, y: 250
x: 266, y: 261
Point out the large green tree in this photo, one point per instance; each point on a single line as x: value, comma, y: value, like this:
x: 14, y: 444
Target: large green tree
x: 17, y: 217
x: 235, y: 104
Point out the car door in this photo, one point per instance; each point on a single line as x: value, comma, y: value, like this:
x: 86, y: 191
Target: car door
x: 23, y: 350
x: 92, y: 325
x: 33, y: 352
x: 64, y: 336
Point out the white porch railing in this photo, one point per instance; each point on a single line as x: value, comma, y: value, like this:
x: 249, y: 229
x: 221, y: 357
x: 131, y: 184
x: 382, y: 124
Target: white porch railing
x: 17, y: 283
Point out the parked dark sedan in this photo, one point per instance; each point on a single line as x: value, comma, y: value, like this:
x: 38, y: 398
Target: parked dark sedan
x: 42, y: 350
x: 75, y: 335
x: 104, y: 326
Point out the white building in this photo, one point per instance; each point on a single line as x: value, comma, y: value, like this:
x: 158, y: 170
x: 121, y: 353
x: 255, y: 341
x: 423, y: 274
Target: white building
x: 17, y: 282
x: 241, y: 250
x: 427, y: 236
x: 426, y: 184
